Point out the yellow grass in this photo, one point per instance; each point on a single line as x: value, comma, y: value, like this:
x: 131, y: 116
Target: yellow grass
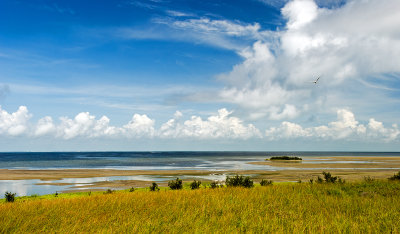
x: 285, y: 208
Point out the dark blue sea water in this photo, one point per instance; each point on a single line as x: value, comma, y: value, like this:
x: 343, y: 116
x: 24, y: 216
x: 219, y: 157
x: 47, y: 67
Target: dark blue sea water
x: 151, y: 160
x: 209, y: 161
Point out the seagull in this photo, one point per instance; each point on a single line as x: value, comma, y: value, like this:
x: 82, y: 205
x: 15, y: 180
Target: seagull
x: 315, y: 82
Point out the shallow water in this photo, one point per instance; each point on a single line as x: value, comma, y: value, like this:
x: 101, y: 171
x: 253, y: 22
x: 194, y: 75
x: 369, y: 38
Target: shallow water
x: 209, y: 161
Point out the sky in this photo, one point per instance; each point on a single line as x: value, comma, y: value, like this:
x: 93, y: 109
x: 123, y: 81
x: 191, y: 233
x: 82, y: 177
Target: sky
x: 154, y: 75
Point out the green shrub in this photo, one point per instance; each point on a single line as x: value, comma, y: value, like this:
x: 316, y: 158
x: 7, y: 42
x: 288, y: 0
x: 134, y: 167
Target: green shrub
x: 328, y: 178
x: 154, y: 187
x: 319, y: 180
x: 368, y: 179
x: 108, y: 191
x: 132, y: 189
x: 215, y: 184
x: 175, y: 184
x: 10, y: 197
x: 395, y: 176
x: 195, y: 184
x: 239, y: 181
x: 265, y: 182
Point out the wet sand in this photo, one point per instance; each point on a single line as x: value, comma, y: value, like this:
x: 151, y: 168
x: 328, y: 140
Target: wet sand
x: 348, y: 168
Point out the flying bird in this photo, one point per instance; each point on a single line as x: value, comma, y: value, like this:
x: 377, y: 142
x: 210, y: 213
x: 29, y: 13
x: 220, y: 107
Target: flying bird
x: 315, y: 82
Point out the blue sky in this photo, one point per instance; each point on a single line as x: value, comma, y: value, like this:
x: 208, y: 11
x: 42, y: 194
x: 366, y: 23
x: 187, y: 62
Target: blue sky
x: 199, y: 75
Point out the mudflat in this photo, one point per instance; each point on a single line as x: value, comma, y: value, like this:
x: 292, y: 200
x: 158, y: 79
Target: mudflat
x: 348, y: 168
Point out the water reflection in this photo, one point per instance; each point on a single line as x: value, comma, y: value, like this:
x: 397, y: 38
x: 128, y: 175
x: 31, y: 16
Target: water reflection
x: 40, y: 187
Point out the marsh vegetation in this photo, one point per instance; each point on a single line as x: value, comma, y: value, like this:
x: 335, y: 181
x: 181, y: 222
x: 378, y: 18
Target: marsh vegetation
x: 366, y: 206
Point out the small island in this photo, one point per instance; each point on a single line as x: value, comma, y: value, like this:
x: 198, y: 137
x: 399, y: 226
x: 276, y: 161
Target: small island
x: 285, y: 158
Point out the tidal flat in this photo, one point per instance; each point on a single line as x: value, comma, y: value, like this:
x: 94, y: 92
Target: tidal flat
x: 71, y: 180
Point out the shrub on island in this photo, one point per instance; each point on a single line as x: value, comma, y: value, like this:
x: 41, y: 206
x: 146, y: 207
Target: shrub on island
x: 284, y: 158
x: 175, y: 184
x: 237, y: 180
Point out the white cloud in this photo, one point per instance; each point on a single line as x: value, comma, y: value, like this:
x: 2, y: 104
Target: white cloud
x: 346, y: 127
x: 356, y: 41
x: 348, y: 43
x: 222, y: 125
x: 85, y: 125
x: 223, y: 33
x: 299, y: 13
x: 16, y: 123
x: 44, y: 126
x: 178, y: 13
x: 218, y: 126
x: 140, y: 126
x: 206, y: 25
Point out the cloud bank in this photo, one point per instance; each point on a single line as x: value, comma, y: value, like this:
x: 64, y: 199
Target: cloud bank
x: 222, y: 125
x: 358, y: 41
x: 353, y: 45
x: 85, y: 125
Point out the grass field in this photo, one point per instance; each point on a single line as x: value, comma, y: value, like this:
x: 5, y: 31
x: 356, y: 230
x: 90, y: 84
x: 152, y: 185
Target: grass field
x: 288, y: 207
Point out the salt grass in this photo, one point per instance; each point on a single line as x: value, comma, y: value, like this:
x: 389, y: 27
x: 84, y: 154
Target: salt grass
x: 286, y: 208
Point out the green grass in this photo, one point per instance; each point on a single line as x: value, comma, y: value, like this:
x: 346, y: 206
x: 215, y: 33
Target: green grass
x: 361, y: 207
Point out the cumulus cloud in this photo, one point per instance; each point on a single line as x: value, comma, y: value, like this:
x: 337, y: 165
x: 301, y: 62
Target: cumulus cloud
x: 140, y: 126
x: 44, y: 126
x: 355, y: 41
x: 221, y: 125
x: 346, y: 127
x: 85, y: 125
x: 14, y: 124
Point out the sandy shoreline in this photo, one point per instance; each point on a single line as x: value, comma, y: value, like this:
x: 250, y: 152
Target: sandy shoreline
x: 348, y: 168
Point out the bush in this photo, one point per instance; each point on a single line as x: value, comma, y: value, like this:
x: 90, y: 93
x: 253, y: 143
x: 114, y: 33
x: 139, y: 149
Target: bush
x: 175, y: 184
x: 108, y: 191
x: 154, y: 187
x: 10, y: 197
x: 328, y: 178
x: 195, y: 184
x: 395, y: 176
x: 239, y: 181
x: 368, y: 179
x: 215, y: 184
x: 132, y: 189
x: 265, y: 182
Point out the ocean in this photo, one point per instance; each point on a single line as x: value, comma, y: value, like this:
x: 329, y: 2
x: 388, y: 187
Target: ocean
x: 152, y: 160
x: 199, y: 160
